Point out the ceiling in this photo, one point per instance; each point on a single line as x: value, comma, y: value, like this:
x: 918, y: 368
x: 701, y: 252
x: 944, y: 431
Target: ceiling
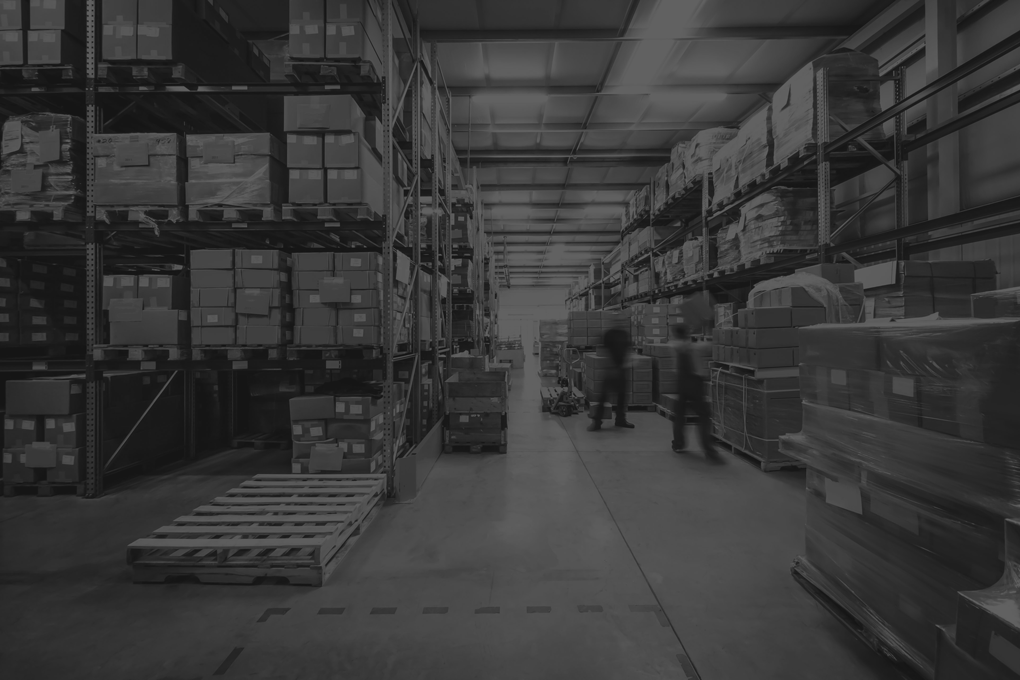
x: 563, y: 106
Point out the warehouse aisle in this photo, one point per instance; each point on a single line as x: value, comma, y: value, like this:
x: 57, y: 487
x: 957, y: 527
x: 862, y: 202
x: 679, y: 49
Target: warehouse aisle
x: 576, y: 555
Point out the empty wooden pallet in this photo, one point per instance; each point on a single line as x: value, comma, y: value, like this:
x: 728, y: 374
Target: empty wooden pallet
x: 295, y: 528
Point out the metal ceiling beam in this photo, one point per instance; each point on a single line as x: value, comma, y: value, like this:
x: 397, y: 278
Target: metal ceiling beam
x: 689, y: 89
x: 561, y: 186
x: 558, y: 206
x: 890, y: 17
x: 600, y: 127
x: 589, y: 162
x: 657, y: 154
x: 614, y: 36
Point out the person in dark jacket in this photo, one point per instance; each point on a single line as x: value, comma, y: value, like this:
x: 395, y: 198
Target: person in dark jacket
x: 617, y: 343
x: 691, y: 391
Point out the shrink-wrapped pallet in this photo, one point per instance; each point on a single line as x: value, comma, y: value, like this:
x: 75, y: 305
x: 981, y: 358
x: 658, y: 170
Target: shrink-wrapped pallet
x: 756, y: 147
x: 678, y: 174
x: 854, y: 98
x: 699, y: 153
x: 42, y: 162
x: 724, y: 172
x: 779, y: 219
x: 660, y: 190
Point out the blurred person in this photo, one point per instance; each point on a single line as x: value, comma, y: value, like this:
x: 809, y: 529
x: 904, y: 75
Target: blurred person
x: 691, y: 391
x: 617, y: 343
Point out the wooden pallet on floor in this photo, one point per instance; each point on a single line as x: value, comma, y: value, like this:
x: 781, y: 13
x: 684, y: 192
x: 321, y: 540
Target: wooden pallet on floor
x: 860, y: 620
x: 140, y: 353
x: 233, y: 214
x: 261, y: 441
x: 238, y: 353
x: 766, y: 464
x: 45, y: 489
x: 474, y: 448
x: 41, y: 213
x: 295, y: 528
x: 144, y: 214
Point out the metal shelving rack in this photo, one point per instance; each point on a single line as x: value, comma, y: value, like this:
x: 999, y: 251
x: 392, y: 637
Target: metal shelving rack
x: 848, y: 155
x: 171, y: 242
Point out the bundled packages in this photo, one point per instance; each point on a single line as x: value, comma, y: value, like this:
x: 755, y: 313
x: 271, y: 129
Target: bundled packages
x: 42, y: 161
x: 336, y: 29
x: 702, y: 149
x: 48, y: 33
x: 913, y: 288
x: 41, y: 304
x: 140, y: 170
x: 150, y: 309
x: 235, y: 170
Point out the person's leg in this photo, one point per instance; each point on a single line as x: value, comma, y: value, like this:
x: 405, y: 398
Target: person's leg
x: 621, y: 398
x: 704, y: 412
x: 596, y: 423
x: 680, y: 422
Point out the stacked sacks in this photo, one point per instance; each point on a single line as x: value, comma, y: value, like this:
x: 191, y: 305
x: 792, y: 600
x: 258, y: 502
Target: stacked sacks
x: 702, y: 149
x: 779, y: 219
x: 910, y: 435
x: 744, y: 158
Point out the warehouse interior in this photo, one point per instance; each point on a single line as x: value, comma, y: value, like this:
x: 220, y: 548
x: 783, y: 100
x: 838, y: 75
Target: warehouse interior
x: 308, y: 323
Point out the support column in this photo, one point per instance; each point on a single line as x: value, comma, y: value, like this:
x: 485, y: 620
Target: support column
x: 940, y: 57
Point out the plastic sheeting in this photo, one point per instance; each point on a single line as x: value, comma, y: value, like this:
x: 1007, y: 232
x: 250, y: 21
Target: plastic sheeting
x: 826, y: 293
x: 43, y: 150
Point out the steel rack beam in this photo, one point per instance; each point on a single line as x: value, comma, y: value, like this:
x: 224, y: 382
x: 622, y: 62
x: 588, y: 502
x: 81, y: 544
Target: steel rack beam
x: 614, y: 36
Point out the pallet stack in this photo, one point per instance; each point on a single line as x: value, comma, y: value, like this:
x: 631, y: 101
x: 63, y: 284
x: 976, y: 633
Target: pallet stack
x: 910, y: 436
x: 143, y: 173
x: 476, y: 408
x: 42, y: 33
x: 44, y: 432
x: 339, y: 299
x: 147, y: 310
x: 42, y: 166
x: 41, y: 305
x: 911, y: 288
x: 334, y: 433
x: 232, y: 175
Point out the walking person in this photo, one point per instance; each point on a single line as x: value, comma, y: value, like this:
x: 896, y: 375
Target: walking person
x: 691, y: 392
x: 617, y: 343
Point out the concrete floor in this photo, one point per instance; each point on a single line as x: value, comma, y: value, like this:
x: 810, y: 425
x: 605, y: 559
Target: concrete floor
x: 595, y: 555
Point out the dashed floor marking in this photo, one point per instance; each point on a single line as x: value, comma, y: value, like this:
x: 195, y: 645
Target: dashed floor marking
x: 272, y: 612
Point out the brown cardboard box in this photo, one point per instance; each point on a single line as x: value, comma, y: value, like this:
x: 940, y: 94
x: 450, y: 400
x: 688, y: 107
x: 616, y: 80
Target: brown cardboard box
x: 212, y: 278
x: 275, y: 317
x: 65, y: 431
x: 213, y: 336
x: 359, y: 317
x: 305, y: 150
x: 361, y: 335
x: 119, y: 287
x: 153, y: 327
x: 213, y: 297
x: 163, y: 292
x: 70, y: 467
x: 53, y: 48
x: 333, y: 290
x: 313, y: 262
x: 40, y: 455
x: 14, y: 14
x: 347, y: 150
x: 20, y: 431
x: 314, y: 407
x: 310, y: 299
x: 355, y: 186
x: 12, y: 48
x: 215, y: 316
x: 326, y: 457
x: 310, y: 280
x: 263, y: 259
x: 308, y: 430
x: 360, y: 262
x: 212, y: 259
x: 315, y: 335
x: 307, y: 39
x: 263, y: 335
x: 45, y: 397
x: 307, y: 187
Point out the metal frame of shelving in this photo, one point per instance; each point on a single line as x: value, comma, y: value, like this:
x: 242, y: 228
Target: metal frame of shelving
x: 828, y: 164
x: 148, y: 246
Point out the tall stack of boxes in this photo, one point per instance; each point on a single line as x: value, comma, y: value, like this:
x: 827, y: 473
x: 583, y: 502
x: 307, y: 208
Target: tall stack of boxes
x: 235, y: 171
x: 477, y: 406
x: 332, y: 153
x: 910, y: 436
x: 336, y: 433
x: 48, y: 33
x: 346, y: 30
x: 338, y: 298
x: 552, y: 337
x: 912, y: 288
x: 587, y: 329
x: 651, y: 323
x: 148, y: 309
x: 140, y: 170
x: 40, y: 304
x: 241, y: 297
x: 639, y: 378
x: 44, y: 432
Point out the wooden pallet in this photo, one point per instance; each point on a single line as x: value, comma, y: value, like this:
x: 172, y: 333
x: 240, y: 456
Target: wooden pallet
x: 670, y: 416
x: 474, y: 448
x: 252, y: 213
x: 145, y: 74
x: 144, y: 214
x: 330, y: 72
x: 29, y: 214
x: 860, y: 621
x: 332, y: 353
x: 45, y: 489
x: 766, y: 464
x: 140, y: 353
x: 293, y: 212
x: 40, y: 74
x: 238, y: 353
x: 261, y: 441
x: 757, y: 373
x: 295, y: 528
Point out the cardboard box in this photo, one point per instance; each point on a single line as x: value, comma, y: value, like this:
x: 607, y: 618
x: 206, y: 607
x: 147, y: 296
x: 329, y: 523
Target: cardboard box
x: 769, y: 338
x: 354, y: 186
x: 324, y: 316
x: 213, y: 297
x: 14, y: 14
x: 308, y: 430
x: 20, y: 431
x: 70, y: 467
x: 312, y: 407
x: 313, y: 262
x: 362, y: 299
x: 263, y: 259
x: 65, y: 431
x: 12, y: 48
x: 45, y: 397
x: 118, y: 288
x: 355, y: 262
x: 163, y: 292
x: 67, y: 15
x: 807, y: 316
x: 307, y: 187
x: 305, y: 150
x: 309, y: 280
x: 359, y: 317
x: 332, y: 290
x: 53, y: 48
x: 347, y: 150
x: 120, y: 40
x: 768, y: 317
x: 259, y: 301
x: 355, y: 40
x: 307, y: 39
x: 361, y: 335
x: 275, y: 317
x: 261, y: 278
x: 213, y: 336
x: 214, y: 316
x: 322, y: 113
x: 212, y: 259
x: 363, y: 448
x: 40, y: 455
x: 357, y: 407
x: 326, y: 457
x: 263, y: 335
x: 152, y: 327
x: 212, y: 278
x: 315, y: 335
x: 310, y: 299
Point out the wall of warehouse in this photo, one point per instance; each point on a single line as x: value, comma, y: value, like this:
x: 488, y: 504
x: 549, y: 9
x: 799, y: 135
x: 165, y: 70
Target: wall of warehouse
x: 989, y: 162
x: 520, y: 308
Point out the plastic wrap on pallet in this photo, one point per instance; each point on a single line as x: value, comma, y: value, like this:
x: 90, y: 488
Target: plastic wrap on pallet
x: 756, y: 146
x: 854, y: 98
x: 727, y: 243
x: 826, y: 293
x: 724, y: 172
x: 996, y: 304
x: 145, y: 169
x: 235, y: 170
x: 778, y: 219
x: 42, y: 161
x: 702, y: 149
x: 693, y: 260
x: 678, y: 176
x: 753, y: 413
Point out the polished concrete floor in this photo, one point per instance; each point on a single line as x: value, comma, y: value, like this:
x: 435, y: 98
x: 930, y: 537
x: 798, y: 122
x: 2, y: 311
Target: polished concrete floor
x: 577, y: 555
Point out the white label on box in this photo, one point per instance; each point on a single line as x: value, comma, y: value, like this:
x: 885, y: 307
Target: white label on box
x: 66, y: 288
x: 75, y: 388
x: 837, y: 377
x: 22, y: 458
x: 127, y: 281
x: 48, y: 37
x: 359, y: 332
x: 5, y: 283
x: 51, y: 423
x: 347, y: 31
x: 355, y: 299
x: 360, y: 318
x: 38, y: 337
x: 256, y: 259
x: 12, y: 130
x: 350, y: 174
x: 311, y: 29
x: 69, y: 427
x: 163, y: 282
x: 8, y: 458
x: 1005, y: 651
x: 465, y: 419
x: 67, y: 460
x: 314, y: 298
x: 8, y: 423
x: 28, y: 425
x: 358, y: 448
x: 356, y: 409
x: 309, y: 140
x: 355, y: 261
x: 39, y: 320
x: 212, y: 318
x: 341, y: 407
x: 903, y: 386
x: 843, y: 495
x: 315, y: 174
x: 347, y: 139
x: 71, y: 337
x: 315, y: 431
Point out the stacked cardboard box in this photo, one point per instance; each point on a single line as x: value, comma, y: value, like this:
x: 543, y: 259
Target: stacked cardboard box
x: 336, y: 29
x: 638, y: 382
x: 912, y: 288
x: 150, y: 309
x: 477, y: 406
x: 693, y: 258
x: 651, y: 323
x: 744, y: 158
x: 660, y: 188
x: 42, y: 162
x: 42, y: 33
x: 40, y: 304
x: 336, y: 433
x: 910, y: 436
x: 854, y: 98
x: 235, y: 170
x: 665, y: 375
x: 702, y: 149
x: 143, y: 170
x: 996, y: 304
x: 241, y: 297
x: 330, y: 154
x: 678, y: 176
x: 339, y: 298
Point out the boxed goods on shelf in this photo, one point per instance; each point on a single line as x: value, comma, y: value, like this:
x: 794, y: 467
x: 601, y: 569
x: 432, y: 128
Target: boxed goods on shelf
x: 678, y: 177
x: 778, y: 220
x: 335, y: 30
x: 477, y: 408
x: 235, y: 170
x: 702, y: 149
x: 854, y: 98
x: 911, y: 437
x: 996, y: 304
x: 912, y: 288
x: 145, y: 169
x: 724, y: 172
x: 744, y: 158
x: 660, y: 190
x: 147, y: 309
x: 40, y: 304
x: 40, y: 34
x: 650, y: 323
x: 333, y: 433
x: 42, y: 162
